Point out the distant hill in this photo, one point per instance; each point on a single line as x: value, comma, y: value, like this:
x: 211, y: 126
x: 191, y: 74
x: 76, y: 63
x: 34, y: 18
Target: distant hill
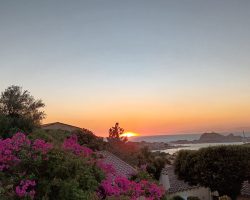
x: 214, y: 138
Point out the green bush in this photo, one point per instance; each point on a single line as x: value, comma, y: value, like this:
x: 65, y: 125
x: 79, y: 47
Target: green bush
x: 89, y: 139
x: 66, y: 174
x: 53, y: 136
x: 142, y: 175
x: 221, y: 168
x: 155, y: 161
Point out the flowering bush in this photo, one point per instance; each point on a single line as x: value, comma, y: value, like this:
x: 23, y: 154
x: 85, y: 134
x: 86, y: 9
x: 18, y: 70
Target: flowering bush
x: 26, y: 188
x: 12, y: 150
x: 121, y: 186
x: 38, y: 170
x: 108, y: 169
x: 42, y: 146
x: 72, y: 145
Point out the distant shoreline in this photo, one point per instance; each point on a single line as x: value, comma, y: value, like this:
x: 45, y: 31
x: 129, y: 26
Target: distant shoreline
x: 192, y: 138
x: 204, y: 140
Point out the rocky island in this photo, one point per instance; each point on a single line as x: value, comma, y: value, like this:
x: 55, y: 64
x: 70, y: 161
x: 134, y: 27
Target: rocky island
x: 214, y: 138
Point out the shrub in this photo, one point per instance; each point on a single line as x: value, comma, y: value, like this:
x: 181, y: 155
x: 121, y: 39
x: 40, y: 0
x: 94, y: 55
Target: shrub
x: 35, y: 169
x: 221, y: 168
x: 121, y: 186
x: 89, y: 139
x: 56, y: 137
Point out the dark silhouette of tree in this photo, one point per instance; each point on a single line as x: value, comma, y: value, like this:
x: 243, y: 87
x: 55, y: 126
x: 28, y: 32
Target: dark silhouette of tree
x: 115, y: 134
x: 19, y: 111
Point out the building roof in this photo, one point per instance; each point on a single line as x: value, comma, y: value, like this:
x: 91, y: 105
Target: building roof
x: 122, y: 168
x: 176, y: 185
x: 59, y: 123
x: 245, y: 190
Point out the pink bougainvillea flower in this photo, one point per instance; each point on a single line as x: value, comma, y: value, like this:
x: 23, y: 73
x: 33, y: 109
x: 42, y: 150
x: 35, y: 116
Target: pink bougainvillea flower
x: 26, y: 189
x: 71, y: 144
x: 42, y: 146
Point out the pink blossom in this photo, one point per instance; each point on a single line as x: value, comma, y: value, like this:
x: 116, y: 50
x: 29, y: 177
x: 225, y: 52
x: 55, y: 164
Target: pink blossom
x: 10, y: 149
x: 71, y: 144
x: 19, y: 140
x: 26, y: 188
x: 108, y: 169
x: 42, y: 146
x: 123, y: 186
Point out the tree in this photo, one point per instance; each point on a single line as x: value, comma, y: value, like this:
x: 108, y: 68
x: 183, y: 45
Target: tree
x: 19, y: 111
x: 154, y: 161
x: 115, y: 133
x: 89, y: 139
x: 222, y: 168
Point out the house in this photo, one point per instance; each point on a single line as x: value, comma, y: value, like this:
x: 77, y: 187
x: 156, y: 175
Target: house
x: 176, y: 187
x: 122, y: 168
x: 60, y: 126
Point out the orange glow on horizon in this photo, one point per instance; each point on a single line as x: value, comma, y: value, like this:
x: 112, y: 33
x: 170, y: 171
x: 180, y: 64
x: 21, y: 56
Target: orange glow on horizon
x: 129, y: 134
x: 170, y: 117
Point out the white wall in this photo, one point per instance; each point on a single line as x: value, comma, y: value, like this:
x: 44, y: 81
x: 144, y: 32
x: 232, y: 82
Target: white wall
x: 202, y: 193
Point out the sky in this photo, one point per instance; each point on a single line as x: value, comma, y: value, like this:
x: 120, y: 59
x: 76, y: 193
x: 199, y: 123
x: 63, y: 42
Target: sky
x: 156, y: 67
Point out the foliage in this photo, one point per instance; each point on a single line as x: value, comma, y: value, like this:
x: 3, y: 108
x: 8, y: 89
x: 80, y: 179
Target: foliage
x: 222, y: 168
x: 154, y: 162
x: 122, y: 186
x: 142, y: 175
x: 131, y: 153
x: 72, y: 144
x: 126, y: 151
x: 56, y: 137
x: 89, y: 139
x: 115, y: 134
x: 19, y: 111
x: 35, y: 169
x: 134, y: 154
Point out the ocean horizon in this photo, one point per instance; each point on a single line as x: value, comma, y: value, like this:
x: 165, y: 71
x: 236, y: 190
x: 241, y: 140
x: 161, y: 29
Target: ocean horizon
x: 173, y: 137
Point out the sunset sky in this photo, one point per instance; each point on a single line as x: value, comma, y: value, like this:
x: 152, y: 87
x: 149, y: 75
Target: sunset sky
x: 157, y: 67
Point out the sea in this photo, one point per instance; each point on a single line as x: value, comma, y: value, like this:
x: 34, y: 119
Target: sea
x: 177, y: 147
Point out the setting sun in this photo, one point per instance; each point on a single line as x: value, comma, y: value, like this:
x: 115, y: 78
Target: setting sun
x: 129, y: 134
